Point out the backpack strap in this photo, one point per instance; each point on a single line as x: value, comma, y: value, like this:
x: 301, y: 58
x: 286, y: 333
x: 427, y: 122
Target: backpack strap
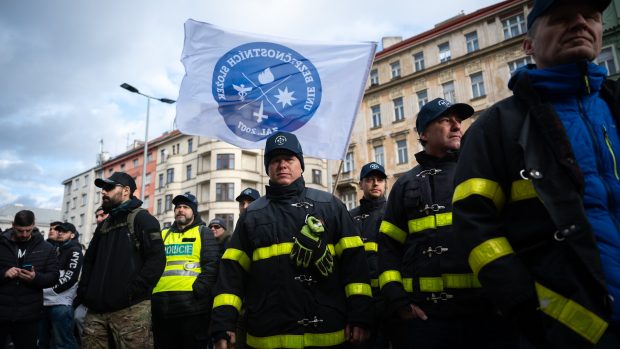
x: 131, y: 217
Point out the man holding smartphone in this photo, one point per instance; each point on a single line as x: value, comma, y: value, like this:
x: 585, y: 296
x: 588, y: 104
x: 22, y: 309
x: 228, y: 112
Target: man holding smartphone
x: 28, y: 264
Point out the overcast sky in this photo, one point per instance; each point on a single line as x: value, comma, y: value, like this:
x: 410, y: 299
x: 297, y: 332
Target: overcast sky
x: 61, y: 64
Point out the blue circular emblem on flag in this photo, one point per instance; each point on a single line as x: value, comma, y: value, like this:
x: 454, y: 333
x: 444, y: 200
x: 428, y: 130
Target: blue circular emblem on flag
x: 262, y: 88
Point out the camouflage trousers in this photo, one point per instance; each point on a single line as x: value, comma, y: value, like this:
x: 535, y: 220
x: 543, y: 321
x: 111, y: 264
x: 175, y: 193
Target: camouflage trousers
x: 126, y: 328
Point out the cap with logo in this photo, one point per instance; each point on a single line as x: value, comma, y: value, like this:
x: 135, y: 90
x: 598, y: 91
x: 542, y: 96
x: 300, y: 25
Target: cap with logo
x: 68, y: 227
x: 248, y: 194
x: 370, y: 168
x: 541, y: 6
x: 283, y: 143
x: 217, y: 221
x: 439, y: 107
x: 187, y: 199
x: 116, y: 178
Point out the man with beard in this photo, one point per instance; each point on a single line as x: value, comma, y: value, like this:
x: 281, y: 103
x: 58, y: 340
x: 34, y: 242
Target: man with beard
x: 28, y: 264
x: 181, y: 301
x: 122, y: 265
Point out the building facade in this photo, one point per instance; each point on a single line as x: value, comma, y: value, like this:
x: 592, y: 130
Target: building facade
x: 80, y: 200
x: 611, y: 40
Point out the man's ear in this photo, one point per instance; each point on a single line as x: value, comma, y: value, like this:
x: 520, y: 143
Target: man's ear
x: 423, y: 136
x: 528, y: 46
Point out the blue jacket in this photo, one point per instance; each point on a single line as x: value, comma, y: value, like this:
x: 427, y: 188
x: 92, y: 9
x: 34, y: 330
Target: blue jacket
x: 595, y: 141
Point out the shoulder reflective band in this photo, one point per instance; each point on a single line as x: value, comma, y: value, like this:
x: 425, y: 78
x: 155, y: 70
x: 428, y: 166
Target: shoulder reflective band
x: 522, y: 189
x: 239, y: 256
x: 371, y: 247
x: 393, y: 231
x: 487, y: 252
x: 430, y: 222
x: 389, y: 276
x: 360, y: 289
x: 297, y: 341
x: 227, y: 299
x: 573, y: 315
x: 348, y: 242
x: 445, y: 281
x: 483, y: 187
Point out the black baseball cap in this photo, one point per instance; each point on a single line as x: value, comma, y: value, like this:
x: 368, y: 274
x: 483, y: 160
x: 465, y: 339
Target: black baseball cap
x: 188, y: 199
x: 217, y: 221
x: 541, y: 6
x: 372, y: 167
x: 249, y: 193
x: 439, y: 107
x: 66, y: 226
x: 116, y: 178
x: 283, y: 143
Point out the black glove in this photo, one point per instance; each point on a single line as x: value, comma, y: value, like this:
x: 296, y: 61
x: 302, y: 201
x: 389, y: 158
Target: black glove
x: 308, y: 247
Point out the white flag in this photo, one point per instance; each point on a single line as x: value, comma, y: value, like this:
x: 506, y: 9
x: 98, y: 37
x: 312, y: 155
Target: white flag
x: 241, y: 88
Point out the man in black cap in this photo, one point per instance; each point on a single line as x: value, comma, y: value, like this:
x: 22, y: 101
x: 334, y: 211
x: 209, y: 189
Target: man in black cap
x: 424, y: 274
x: 123, y: 263
x: 58, y: 323
x: 222, y: 236
x: 182, y: 299
x: 247, y: 196
x: 297, y: 262
x: 536, y: 201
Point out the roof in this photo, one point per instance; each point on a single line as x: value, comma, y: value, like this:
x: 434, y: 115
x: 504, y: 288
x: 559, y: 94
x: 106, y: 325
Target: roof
x: 42, y: 215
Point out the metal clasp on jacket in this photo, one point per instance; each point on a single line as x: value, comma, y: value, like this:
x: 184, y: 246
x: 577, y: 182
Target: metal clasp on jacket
x: 562, y: 234
x: 433, y: 207
x: 307, y: 322
x: 530, y: 174
x: 361, y: 217
x: 430, y: 172
x: 307, y: 279
x: 436, y: 297
x: 436, y: 250
x: 303, y: 204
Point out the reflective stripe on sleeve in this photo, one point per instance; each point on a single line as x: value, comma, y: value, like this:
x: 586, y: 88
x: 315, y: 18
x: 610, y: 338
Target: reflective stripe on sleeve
x: 239, y: 256
x: 297, y: 341
x: 483, y: 187
x: 522, y: 189
x: 487, y: 252
x: 348, y: 242
x: 440, y: 283
x: 272, y: 251
x: 358, y: 289
x: 389, y: 276
x: 573, y: 315
x: 393, y: 231
x: 371, y: 247
x: 227, y: 299
x: 430, y: 222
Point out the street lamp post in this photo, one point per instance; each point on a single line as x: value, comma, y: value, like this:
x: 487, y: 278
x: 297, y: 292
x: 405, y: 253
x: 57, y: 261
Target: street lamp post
x: 132, y: 89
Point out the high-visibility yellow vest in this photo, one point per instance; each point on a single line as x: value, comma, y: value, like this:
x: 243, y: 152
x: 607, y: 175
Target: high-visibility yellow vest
x: 182, y: 260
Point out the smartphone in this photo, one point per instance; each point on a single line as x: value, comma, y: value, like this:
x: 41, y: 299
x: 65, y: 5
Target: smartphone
x: 27, y: 267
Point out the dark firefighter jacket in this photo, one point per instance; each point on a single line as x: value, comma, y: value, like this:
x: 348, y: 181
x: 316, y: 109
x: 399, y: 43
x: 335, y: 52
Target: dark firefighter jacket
x: 286, y: 306
x: 420, y: 259
x: 367, y: 216
x: 518, y: 208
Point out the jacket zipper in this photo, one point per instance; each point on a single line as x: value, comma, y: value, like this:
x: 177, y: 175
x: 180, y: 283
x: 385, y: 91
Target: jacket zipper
x: 611, y: 151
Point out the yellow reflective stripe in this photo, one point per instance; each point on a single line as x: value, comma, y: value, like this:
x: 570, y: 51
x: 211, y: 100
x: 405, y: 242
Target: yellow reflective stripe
x: 522, y: 190
x: 227, y: 299
x: 331, y: 249
x: 480, y: 186
x: 348, y: 242
x: 389, y: 276
x: 487, y: 252
x: 371, y: 247
x: 374, y: 283
x: 297, y: 341
x: 431, y: 284
x: 571, y: 314
x: 430, y: 222
x: 393, y: 231
x: 445, y: 281
x: 408, y: 284
x: 238, y: 256
x: 272, y: 251
x: 358, y: 289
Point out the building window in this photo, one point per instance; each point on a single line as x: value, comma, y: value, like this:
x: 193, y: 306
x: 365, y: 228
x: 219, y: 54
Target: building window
x: 135, y: 162
x: 161, y: 180
x: 516, y: 64
x: 188, y: 172
x: 85, y: 180
x: 316, y: 176
x: 145, y: 203
x: 190, y: 145
x: 67, y: 206
x: 399, y: 109
x: 227, y: 218
x: 158, y: 206
x: 513, y: 26
x: 374, y: 77
x: 418, y: 61
x: 82, y: 218
x: 122, y: 167
x: 68, y: 187
x: 168, y: 205
x: 348, y: 162
x: 401, y: 149
x: 448, y: 92
x: 77, y: 184
x: 395, y: 67
x: 472, y: 41
x: 147, y: 179
x: 84, y: 201
x: 225, y: 161
x: 149, y: 157
x: 606, y: 60
x: 444, y: 52
x: 348, y: 198
x: 74, y: 202
x: 163, y: 154
x: 379, y: 155
x: 477, y: 85
x: 224, y: 191
x: 376, y: 116
x: 169, y: 175
x: 422, y: 98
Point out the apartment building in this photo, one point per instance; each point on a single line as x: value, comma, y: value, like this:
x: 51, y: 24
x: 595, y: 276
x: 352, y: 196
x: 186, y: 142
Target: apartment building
x: 80, y: 199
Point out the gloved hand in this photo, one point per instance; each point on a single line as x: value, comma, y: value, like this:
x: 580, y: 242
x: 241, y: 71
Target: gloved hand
x: 308, y: 247
x: 325, y: 263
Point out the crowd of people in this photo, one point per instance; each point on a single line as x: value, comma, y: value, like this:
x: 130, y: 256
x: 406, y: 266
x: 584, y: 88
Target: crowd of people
x: 510, y: 241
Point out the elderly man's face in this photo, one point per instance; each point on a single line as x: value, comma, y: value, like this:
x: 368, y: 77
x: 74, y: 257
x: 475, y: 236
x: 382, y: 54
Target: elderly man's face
x: 568, y: 33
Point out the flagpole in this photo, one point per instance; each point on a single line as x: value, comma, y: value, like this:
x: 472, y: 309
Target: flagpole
x: 337, y: 177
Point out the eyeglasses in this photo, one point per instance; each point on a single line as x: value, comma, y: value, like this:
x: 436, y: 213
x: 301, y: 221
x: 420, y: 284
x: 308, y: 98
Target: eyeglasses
x: 215, y: 226
x: 110, y: 187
